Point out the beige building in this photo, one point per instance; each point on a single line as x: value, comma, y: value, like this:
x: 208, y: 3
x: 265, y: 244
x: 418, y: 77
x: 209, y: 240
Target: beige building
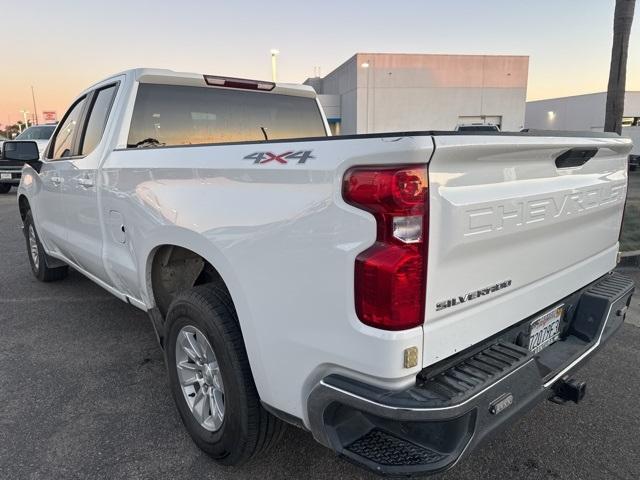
x: 579, y: 112
x: 584, y: 112
x: 375, y: 92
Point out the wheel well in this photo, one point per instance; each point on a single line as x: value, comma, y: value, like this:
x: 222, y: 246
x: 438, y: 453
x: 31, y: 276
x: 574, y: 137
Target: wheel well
x: 175, y: 269
x: 23, y: 206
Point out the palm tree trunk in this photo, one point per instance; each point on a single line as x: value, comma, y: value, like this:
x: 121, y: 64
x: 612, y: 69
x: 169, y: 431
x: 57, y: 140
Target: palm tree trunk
x: 622, y: 20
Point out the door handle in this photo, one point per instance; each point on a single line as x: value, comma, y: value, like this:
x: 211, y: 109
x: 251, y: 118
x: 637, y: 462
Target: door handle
x: 85, y: 182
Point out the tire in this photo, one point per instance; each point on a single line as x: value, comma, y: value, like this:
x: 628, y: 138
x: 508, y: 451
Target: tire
x: 38, y: 257
x: 246, y: 429
x: 5, y: 187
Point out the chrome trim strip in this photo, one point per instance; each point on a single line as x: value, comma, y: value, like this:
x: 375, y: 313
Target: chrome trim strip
x: 458, y: 405
x: 432, y: 409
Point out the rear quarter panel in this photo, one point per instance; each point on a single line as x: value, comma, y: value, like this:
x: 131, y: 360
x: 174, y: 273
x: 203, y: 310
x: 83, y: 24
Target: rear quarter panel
x: 283, y: 241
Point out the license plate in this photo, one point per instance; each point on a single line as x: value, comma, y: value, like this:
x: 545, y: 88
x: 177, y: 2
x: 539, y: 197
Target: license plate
x: 5, y: 176
x: 545, y: 330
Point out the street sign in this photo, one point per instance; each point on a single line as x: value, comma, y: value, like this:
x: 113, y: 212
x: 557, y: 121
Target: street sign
x: 49, y: 116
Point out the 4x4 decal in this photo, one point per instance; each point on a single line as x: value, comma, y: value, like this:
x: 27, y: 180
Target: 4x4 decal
x: 265, y: 157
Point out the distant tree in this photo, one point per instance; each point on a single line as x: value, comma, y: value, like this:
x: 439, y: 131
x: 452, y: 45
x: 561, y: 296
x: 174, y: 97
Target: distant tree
x: 622, y: 21
x: 12, y: 130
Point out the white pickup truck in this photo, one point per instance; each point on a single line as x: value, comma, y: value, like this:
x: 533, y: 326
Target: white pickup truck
x: 399, y: 295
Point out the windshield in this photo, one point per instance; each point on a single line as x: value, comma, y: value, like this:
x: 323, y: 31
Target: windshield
x: 37, y: 133
x: 477, y: 128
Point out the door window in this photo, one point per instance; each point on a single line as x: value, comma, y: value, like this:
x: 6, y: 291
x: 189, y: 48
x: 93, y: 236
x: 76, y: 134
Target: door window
x: 63, y: 142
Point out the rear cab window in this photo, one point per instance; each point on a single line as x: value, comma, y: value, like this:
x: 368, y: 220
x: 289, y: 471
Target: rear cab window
x: 172, y: 115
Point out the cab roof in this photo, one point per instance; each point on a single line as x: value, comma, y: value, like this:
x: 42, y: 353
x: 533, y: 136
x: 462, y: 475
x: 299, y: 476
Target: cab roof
x: 170, y: 77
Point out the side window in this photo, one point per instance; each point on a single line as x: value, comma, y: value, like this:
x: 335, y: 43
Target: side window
x: 63, y: 143
x: 103, y: 99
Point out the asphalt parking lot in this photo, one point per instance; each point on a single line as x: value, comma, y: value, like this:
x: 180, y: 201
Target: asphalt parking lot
x: 83, y: 395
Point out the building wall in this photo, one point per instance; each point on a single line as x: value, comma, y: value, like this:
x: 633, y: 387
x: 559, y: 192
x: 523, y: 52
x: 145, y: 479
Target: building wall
x: 428, y: 92
x: 342, y: 82
x: 331, y: 104
x: 580, y: 112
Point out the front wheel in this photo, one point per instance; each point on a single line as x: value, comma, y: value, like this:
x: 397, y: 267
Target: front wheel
x: 37, y: 255
x: 5, y: 187
x: 210, y: 378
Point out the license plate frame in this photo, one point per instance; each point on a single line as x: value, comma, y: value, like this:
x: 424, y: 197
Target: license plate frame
x: 6, y: 176
x: 545, y: 329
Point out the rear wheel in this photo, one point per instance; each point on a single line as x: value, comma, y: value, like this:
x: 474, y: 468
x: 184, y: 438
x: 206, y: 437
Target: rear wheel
x: 211, y: 380
x: 37, y: 255
x: 5, y: 187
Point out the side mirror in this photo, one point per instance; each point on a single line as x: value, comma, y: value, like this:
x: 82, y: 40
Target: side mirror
x: 20, y: 151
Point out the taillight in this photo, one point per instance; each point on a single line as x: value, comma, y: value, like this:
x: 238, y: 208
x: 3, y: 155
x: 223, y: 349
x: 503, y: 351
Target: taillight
x: 390, y: 276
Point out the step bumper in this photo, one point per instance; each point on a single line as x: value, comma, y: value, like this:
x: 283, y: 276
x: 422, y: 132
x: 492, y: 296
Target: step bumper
x: 455, y: 405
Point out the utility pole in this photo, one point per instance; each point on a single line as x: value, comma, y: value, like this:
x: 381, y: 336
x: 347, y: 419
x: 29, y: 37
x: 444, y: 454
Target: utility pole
x: 623, y: 18
x: 35, y: 110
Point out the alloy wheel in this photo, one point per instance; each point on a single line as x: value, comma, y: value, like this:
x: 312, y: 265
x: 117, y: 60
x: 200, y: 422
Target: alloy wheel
x: 200, y: 378
x: 33, y: 247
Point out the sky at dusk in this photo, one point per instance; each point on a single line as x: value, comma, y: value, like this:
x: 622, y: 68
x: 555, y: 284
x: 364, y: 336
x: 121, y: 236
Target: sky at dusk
x: 61, y: 47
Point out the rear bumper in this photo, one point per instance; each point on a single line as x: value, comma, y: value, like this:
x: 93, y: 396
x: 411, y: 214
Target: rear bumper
x: 456, y: 404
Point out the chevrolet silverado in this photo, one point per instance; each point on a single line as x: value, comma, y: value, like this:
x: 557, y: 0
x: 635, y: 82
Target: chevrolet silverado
x: 399, y: 295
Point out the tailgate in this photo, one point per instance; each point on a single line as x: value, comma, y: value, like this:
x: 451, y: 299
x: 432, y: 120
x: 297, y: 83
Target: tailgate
x: 511, y: 232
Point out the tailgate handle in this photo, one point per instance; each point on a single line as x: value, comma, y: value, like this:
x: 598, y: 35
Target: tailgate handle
x: 576, y: 157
